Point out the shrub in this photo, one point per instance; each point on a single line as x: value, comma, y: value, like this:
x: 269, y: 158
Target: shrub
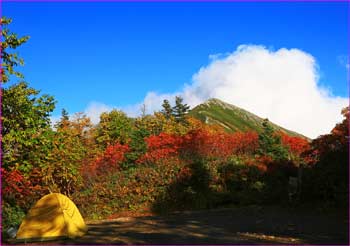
x: 202, y: 143
x: 12, y: 216
x: 108, y: 162
x: 243, y: 183
x: 327, y: 179
x: 160, y: 147
x: 130, y: 189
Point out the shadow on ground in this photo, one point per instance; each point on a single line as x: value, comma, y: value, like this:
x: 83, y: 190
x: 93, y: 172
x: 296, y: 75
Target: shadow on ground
x: 250, y: 225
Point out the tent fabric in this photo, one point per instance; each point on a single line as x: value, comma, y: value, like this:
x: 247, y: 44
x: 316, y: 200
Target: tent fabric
x: 54, y: 215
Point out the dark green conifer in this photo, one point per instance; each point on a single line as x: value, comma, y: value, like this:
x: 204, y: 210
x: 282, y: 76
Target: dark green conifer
x: 167, y: 109
x: 180, y: 110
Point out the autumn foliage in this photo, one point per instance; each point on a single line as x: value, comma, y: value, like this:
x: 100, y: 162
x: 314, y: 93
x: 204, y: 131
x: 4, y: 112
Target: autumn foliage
x: 14, y: 184
x: 107, y: 162
x: 160, y: 163
x: 161, y: 147
x: 327, y: 178
x: 296, y: 145
x: 206, y: 144
x: 165, y: 160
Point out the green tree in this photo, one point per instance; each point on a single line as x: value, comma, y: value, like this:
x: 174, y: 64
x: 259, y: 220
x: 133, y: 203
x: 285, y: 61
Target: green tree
x: 10, y: 41
x: 64, y: 115
x: 25, y: 115
x: 270, y: 143
x: 137, y: 144
x: 153, y: 124
x: 25, y: 125
x: 180, y: 110
x: 27, y: 138
x: 64, y: 119
x: 167, y: 109
x: 69, y: 148
x: 326, y: 180
x: 114, y: 126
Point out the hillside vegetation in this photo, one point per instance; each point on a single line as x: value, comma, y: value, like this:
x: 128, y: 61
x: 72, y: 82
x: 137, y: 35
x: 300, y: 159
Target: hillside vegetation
x: 232, y: 118
x: 162, y: 162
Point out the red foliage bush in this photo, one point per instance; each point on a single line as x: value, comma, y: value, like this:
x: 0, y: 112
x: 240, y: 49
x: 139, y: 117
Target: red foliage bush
x: 296, y: 145
x: 161, y: 147
x: 109, y: 161
x: 245, y: 142
x: 114, y: 154
x: 184, y: 174
x: 202, y: 143
x: 14, y: 185
x: 261, y: 162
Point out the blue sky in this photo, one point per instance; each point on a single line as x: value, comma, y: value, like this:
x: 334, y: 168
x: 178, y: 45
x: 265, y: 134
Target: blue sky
x: 115, y: 53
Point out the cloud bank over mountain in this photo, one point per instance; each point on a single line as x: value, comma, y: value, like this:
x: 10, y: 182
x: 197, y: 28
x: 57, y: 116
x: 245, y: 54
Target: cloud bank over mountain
x: 281, y: 85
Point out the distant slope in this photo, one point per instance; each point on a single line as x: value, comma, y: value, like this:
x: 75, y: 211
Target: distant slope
x: 232, y: 118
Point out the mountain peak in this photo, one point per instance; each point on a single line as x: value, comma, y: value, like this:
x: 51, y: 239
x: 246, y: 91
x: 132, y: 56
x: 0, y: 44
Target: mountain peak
x: 232, y: 118
x: 213, y: 100
x: 221, y: 103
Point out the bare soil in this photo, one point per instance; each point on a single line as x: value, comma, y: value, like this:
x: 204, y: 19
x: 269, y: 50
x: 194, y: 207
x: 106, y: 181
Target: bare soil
x: 248, y: 225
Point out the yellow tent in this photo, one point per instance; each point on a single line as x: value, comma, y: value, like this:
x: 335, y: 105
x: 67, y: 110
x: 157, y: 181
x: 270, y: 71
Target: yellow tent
x: 53, y: 216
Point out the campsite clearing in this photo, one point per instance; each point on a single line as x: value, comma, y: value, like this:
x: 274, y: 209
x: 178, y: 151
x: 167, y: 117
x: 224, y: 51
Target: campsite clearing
x: 248, y: 225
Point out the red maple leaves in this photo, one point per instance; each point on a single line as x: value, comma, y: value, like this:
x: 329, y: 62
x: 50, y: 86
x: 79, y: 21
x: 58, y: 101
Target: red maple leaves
x: 296, y: 145
x: 199, y: 143
x: 160, y: 147
x: 107, y: 162
x: 14, y: 184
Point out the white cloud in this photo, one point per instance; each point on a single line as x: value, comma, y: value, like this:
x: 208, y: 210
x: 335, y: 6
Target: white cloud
x: 280, y: 85
x: 54, y: 119
x: 95, y: 109
x: 152, y: 102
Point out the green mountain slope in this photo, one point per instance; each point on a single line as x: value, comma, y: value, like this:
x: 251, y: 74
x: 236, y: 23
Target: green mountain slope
x: 232, y: 118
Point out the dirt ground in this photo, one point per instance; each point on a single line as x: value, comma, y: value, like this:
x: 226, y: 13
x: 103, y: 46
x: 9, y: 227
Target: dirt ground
x: 249, y: 225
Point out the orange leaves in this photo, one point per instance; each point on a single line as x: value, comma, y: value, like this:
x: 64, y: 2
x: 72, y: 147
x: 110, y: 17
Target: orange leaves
x: 163, y: 140
x: 108, y: 161
x: 14, y: 186
x: 199, y: 143
x: 161, y: 146
x: 114, y: 154
x: 296, y: 145
x: 263, y: 162
x: 204, y: 143
x: 336, y: 141
x: 244, y: 142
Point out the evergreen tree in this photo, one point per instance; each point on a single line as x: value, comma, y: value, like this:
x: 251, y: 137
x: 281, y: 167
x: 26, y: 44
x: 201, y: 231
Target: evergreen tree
x: 64, y: 114
x: 270, y: 143
x: 180, y: 110
x: 167, y: 109
x: 64, y: 121
x: 137, y: 145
